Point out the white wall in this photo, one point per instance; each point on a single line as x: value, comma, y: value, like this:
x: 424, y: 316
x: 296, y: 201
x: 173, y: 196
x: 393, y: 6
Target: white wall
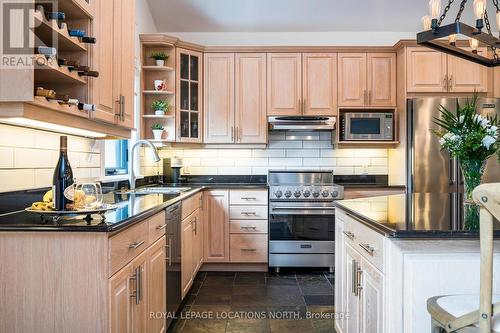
x: 293, y: 38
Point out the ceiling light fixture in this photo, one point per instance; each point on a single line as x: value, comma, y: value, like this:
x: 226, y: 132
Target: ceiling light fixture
x: 443, y: 37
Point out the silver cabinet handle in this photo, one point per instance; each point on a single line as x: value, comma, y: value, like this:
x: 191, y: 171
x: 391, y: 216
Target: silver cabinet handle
x: 359, y: 275
x: 249, y: 250
x: 304, y: 105
x: 161, y: 227
x: 450, y: 82
x: 249, y: 213
x: 194, y: 223
x: 248, y: 198
x: 369, y: 97
x: 137, y: 278
x: 249, y: 228
x: 445, y: 82
x: 122, y: 108
x: 368, y: 248
x: 135, y: 245
x: 169, y: 247
x: 349, y: 234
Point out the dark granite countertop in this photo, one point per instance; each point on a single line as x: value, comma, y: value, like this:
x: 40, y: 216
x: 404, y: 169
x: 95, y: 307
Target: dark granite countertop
x: 131, y: 208
x: 415, y: 216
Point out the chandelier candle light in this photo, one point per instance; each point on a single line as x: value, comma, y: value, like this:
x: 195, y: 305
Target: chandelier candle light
x: 435, y: 34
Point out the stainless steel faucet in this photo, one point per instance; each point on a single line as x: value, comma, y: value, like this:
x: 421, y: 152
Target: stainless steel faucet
x: 137, y: 144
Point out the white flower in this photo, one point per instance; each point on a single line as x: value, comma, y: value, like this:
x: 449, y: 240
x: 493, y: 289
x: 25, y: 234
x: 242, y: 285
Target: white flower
x: 484, y: 122
x: 461, y: 119
x: 493, y: 131
x: 488, y: 141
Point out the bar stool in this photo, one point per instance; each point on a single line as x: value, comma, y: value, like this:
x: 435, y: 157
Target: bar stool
x: 458, y: 313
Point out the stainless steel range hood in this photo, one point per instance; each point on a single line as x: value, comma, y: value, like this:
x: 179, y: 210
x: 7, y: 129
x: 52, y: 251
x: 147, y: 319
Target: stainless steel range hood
x: 302, y: 123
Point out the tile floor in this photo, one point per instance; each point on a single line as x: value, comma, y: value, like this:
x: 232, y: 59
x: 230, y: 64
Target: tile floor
x: 258, y: 303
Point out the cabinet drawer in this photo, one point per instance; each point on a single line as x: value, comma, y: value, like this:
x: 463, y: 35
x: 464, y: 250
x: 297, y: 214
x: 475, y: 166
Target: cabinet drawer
x: 248, y: 248
x: 190, y: 204
x: 126, y: 245
x: 248, y: 212
x: 248, y: 197
x: 157, y: 226
x: 366, y: 241
x: 248, y: 226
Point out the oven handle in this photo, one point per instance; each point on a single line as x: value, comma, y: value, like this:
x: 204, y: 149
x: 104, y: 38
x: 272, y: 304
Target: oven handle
x: 303, y: 208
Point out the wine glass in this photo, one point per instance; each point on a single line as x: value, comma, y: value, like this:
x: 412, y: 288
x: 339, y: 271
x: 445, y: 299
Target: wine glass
x: 88, y: 195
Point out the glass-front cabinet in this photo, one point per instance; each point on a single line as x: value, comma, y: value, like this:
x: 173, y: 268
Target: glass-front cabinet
x: 188, y: 103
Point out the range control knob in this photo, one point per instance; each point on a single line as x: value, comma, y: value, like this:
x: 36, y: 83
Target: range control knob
x: 278, y: 194
x: 335, y: 194
x: 296, y: 194
x: 315, y: 194
x: 325, y: 193
x: 306, y: 194
x: 288, y: 193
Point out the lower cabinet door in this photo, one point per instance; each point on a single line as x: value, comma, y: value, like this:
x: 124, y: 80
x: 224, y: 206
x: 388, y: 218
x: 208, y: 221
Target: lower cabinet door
x: 371, y: 306
x: 339, y: 271
x: 197, y: 242
x: 139, y: 292
x: 352, y: 293
x: 156, y: 285
x: 120, y: 301
x: 187, y: 254
x: 245, y: 248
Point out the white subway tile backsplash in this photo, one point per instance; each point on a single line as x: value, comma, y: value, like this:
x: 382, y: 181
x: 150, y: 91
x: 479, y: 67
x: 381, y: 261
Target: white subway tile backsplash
x: 268, y: 153
x: 302, y: 153
x: 89, y: 160
x: 201, y: 170
x: 344, y: 152
x: 285, y: 144
x: 295, y: 136
x: 234, y: 170
x: 256, y: 161
x: 276, y: 135
x: 369, y: 170
x: 202, y: 153
x: 378, y: 161
x: 234, y: 153
x: 317, y: 144
x: 43, y: 177
x: 325, y: 136
x: 17, y: 179
x: 319, y: 162
x: 217, y: 161
x: 260, y: 170
x: 328, y: 153
x: 12, y: 136
x: 169, y: 153
x: 370, y: 152
x: 191, y: 161
x: 343, y: 170
x: 349, y: 161
x: 27, y: 158
x: 6, y: 157
x: 284, y: 162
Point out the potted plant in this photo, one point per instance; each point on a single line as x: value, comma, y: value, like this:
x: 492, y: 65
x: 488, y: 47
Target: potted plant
x: 472, y: 139
x: 160, y: 58
x: 157, y: 131
x: 160, y: 107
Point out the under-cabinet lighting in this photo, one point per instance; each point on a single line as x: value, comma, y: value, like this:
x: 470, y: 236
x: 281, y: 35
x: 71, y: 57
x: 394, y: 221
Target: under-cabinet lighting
x: 25, y: 122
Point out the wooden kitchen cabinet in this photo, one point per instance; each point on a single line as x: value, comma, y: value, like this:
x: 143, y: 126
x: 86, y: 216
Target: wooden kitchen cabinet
x: 367, y: 79
x: 284, y: 84
x: 352, y: 79
x: 188, y: 99
x: 319, y: 90
x: 120, y: 301
x: 157, y: 286
x: 218, y: 96
x: 250, y: 98
x: 381, y: 74
x: 113, y: 90
x: 216, y: 226
x: 197, y: 242
x: 187, y: 254
x: 430, y: 71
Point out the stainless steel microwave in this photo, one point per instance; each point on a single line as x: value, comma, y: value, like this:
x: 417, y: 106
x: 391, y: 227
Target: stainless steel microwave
x: 367, y: 126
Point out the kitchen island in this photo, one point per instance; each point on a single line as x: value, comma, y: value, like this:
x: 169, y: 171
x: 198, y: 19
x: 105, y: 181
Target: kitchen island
x: 394, y: 252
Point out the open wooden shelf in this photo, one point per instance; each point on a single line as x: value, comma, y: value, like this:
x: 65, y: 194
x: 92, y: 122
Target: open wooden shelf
x: 153, y: 116
x: 56, y: 106
x: 75, y: 9
x: 48, y: 71
x: 155, y: 92
x: 46, y: 29
x: 158, y: 68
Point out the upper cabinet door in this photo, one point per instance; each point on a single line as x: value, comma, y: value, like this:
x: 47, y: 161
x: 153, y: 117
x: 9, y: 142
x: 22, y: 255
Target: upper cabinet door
x: 352, y: 79
x: 319, y: 83
x: 466, y: 76
x: 426, y: 70
x: 127, y: 59
x: 219, y: 97
x: 284, y: 82
x: 250, y: 108
x: 188, y: 103
x: 381, y: 79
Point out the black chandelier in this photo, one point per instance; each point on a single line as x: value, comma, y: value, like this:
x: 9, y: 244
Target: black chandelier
x: 435, y: 32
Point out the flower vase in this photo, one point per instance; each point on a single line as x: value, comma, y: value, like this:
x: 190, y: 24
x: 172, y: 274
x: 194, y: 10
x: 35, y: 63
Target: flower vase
x: 472, y: 171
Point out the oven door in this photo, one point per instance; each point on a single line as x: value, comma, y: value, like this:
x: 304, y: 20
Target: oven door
x: 292, y: 221
x: 367, y: 126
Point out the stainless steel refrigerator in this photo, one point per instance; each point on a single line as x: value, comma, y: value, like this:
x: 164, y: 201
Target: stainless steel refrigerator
x: 430, y: 170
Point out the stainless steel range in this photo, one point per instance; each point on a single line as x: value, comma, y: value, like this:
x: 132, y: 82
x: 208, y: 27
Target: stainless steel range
x: 302, y: 218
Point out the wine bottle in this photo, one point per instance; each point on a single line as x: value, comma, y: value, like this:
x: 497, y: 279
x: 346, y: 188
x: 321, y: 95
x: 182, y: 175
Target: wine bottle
x: 69, y: 63
x: 80, y: 68
x: 86, y: 107
x: 46, y: 51
x: 88, y: 40
x: 50, y: 94
x: 88, y: 73
x: 56, y: 16
x: 62, y: 182
x: 76, y: 33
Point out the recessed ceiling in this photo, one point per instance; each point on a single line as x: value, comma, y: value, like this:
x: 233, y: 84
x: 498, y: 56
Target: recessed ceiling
x: 295, y: 15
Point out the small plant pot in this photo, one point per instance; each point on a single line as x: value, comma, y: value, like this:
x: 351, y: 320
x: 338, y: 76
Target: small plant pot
x: 160, y: 62
x: 157, y: 134
x: 159, y: 113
